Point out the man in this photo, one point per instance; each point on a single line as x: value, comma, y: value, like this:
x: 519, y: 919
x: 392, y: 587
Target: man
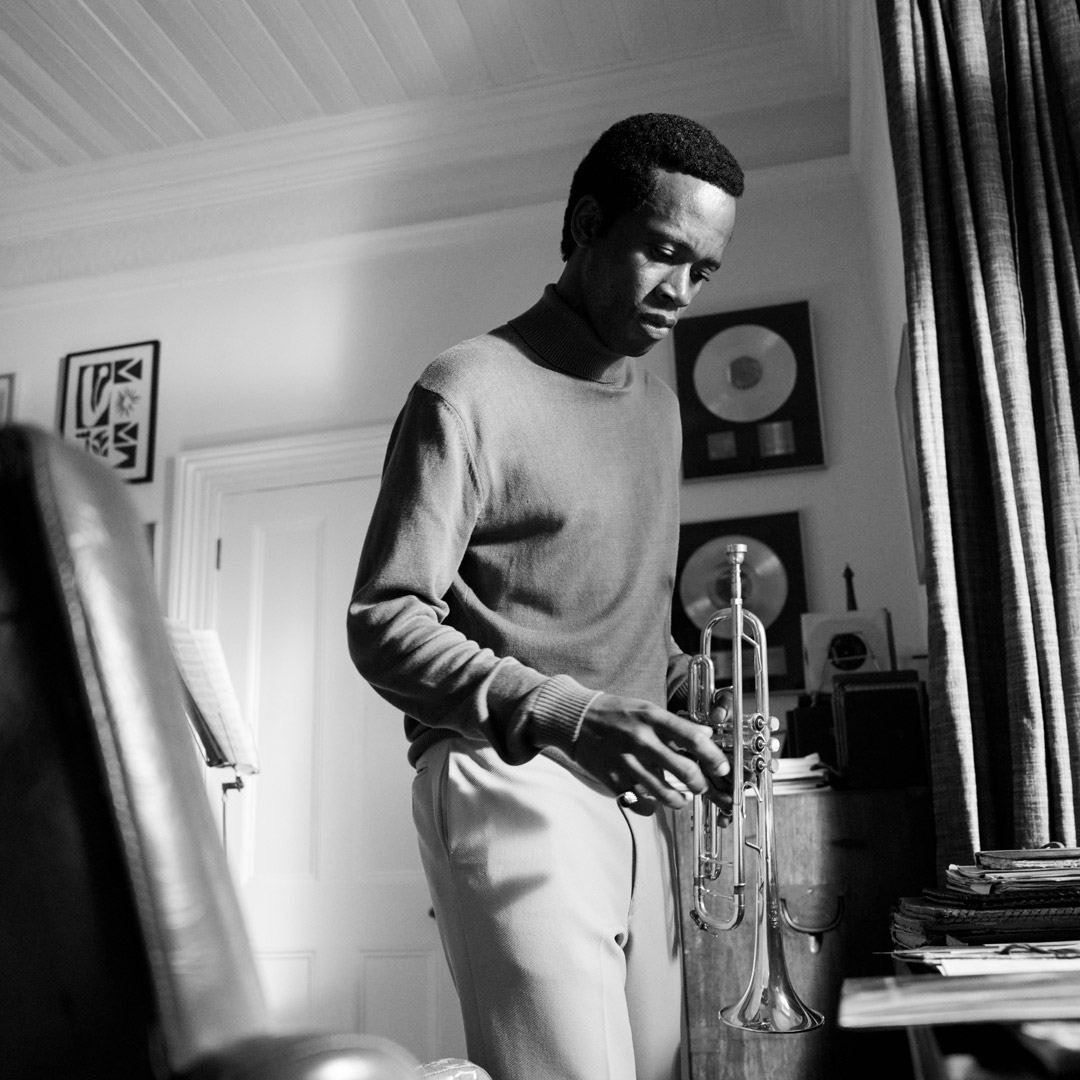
x: 513, y: 599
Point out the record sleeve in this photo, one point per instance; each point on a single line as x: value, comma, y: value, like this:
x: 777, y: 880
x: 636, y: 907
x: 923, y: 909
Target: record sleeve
x: 748, y: 391
x: 845, y: 643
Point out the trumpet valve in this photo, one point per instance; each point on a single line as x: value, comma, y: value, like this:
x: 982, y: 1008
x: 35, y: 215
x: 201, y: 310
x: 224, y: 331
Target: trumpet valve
x: 759, y: 742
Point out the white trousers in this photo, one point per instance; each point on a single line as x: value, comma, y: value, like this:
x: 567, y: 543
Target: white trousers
x: 557, y: 914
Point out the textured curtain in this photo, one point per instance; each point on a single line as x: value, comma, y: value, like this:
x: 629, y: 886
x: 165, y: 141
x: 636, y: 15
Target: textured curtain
x: 984, y: 117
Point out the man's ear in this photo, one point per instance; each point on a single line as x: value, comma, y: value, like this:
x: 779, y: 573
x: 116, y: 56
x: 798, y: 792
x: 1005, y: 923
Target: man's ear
x: 586, y: 221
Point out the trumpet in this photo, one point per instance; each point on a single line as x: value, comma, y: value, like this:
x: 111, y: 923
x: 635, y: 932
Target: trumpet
x: 769, y: 1004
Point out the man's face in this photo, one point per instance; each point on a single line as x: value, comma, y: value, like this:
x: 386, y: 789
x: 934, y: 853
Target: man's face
x: 641, y: 273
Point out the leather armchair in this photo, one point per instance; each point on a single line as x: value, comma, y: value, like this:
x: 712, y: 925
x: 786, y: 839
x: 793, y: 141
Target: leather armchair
x: 123, y: 953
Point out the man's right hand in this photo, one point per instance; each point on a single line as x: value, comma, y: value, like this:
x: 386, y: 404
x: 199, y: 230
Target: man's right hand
x: 634, y: 747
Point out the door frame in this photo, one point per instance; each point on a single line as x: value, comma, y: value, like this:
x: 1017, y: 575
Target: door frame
x: 204, y: 477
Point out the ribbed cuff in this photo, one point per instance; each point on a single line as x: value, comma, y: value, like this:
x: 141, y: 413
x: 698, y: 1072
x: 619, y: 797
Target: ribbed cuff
x: 558, y: 708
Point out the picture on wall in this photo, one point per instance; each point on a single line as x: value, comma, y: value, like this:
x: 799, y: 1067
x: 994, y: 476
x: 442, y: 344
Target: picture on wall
x: 7, y: 398
x: 109, y: 406
x: 773, y: 588
x: 747, y: 391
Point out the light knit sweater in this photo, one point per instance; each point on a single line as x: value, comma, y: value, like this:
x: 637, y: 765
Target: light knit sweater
x: 521, y: 555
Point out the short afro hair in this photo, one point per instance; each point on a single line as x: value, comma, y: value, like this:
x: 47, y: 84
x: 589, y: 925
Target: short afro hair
x: 620, y: 169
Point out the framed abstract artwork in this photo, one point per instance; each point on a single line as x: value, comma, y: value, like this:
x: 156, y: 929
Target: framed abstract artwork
x: 747, y: 391
x: 109, y: 406
x: 773, y: 588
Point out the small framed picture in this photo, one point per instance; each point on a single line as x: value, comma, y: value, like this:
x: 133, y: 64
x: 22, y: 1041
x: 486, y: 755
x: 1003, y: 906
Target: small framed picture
x: 7, y: 398
x: 109, y: 406
x: 773, y: 588
x: 747, y: 391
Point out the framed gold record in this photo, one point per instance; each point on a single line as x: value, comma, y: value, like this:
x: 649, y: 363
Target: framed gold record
x: 748, y: 392
x: 773, y: 584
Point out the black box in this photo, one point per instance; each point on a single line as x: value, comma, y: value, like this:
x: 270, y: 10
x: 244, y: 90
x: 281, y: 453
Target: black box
x: 880, y: 726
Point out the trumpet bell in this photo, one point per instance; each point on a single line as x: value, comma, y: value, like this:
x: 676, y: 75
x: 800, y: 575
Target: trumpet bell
x: 769, y: 1004
x: 772, y: 1008
x: 788, y: 1016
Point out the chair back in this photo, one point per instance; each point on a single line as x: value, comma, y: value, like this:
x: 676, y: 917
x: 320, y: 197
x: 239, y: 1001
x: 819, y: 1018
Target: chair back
x: 122, y: 948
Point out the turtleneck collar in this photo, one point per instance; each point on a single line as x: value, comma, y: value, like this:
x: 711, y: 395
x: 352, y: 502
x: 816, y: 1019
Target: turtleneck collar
x: 565, y: 340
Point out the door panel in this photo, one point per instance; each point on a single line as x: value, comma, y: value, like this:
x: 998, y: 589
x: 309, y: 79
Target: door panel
x: 321, y: 841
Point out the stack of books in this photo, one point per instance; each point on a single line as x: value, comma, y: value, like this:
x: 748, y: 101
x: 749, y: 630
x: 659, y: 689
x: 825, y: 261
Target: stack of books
x: 1020, y: 895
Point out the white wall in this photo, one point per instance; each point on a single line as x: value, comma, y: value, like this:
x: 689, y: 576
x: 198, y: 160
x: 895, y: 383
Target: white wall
x: 297, y: 339
x: 332, y: 335
x: 804, y: 235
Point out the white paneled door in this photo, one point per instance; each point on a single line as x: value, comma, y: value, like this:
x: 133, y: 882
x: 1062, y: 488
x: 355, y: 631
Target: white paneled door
x: 321, y: 841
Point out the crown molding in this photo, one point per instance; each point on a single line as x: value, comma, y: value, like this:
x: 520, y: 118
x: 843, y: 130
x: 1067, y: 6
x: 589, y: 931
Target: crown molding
x: 775, y: 99
x: 275, y: 218
x: 333, y: 251
x: 233, y: 261
x: 403, y: 139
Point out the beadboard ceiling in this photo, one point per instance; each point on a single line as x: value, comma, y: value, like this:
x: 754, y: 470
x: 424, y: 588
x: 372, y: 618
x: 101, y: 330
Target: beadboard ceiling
x: 135, y: 131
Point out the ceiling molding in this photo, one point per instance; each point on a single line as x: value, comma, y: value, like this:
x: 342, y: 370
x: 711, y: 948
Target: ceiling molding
x: 336, y: 250
x: 763, y: 185
x: 422, y: 136
x: 275, y: 216
x: 777, y: 97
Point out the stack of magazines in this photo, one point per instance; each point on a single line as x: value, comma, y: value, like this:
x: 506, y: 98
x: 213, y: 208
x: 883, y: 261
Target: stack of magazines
x: 1016, y: 895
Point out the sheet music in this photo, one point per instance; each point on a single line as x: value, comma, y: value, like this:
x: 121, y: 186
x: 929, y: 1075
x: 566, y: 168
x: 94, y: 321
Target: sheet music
x: 800, y: 774
x: 1012, y: 956
x: 206, y: 676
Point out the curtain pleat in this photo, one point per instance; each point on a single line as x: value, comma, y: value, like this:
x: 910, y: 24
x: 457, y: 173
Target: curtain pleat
x: 1051, y: 276
x: 983, y: 126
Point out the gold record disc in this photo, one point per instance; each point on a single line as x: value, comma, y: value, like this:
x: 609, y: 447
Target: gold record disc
x: 705, y: 585
x: 745, y: 373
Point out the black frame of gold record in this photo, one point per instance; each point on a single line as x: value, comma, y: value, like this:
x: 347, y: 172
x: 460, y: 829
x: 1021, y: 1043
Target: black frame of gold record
x: 783, y: 535
x: 789, y: 437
